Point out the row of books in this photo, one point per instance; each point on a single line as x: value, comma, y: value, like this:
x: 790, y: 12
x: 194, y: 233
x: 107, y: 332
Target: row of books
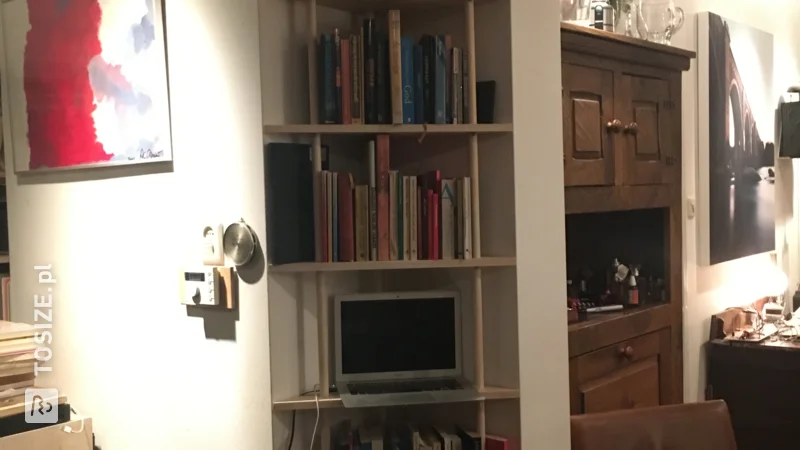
x: 410, y: 437
x: 393, y: 216
x: 382, y: 77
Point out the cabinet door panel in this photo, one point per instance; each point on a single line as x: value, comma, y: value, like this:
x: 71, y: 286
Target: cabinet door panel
x: 588, y: 105
x: 646, y: 111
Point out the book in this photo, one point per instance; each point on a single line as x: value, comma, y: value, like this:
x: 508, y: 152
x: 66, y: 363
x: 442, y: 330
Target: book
x: 370, y: 56
x: 335, y: 215
x: 395, y: 67
x: 407, y: 79
x: 346, y: 226
x: 467, y: 225
x: 419, y: 102
x: 346, y: 82
x: 327, y: 79
x: 407, y: 216
x: 322, y: 220
x: 394, y: 236
x: 373, y: 206
x: 428, y: 44
x: 448, y: 220
x: 402, y: 219
x: 337, y: 71
x: 382, y: 82
x: 382, y: 169
x: 439, y: 89
x: 329, y: 216
x: 456, y: 87
x: 356, y: 71
x: 362, y: 222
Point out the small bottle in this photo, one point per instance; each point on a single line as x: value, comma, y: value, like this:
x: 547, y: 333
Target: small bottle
x: 633, y: 288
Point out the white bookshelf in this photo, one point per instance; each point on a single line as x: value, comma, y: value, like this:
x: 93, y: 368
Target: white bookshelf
x: 300, y: 294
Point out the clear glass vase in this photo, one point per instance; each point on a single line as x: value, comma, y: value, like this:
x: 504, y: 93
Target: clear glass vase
x: 627, y: 18
x: 659, y: 20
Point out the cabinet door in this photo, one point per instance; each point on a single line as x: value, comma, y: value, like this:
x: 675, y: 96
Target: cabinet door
x: 588, y: 107
x: 646, y: 110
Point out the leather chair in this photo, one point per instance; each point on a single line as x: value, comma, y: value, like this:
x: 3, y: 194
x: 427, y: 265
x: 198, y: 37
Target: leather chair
x: 692, y: 426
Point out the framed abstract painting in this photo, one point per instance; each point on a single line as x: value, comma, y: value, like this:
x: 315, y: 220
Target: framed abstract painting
x: 87, y: 83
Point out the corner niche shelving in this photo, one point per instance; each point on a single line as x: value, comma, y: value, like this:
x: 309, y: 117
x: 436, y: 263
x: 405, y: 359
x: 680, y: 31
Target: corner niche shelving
x: 300, y: 293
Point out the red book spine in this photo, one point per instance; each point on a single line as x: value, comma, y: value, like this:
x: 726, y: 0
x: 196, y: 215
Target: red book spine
x: 434, y: 204
x: 347, y: 117
x: 347, y: 250
x: 382, y: 171
x: 429, y: 224
x: 420, y: 247
x: 323, y: 217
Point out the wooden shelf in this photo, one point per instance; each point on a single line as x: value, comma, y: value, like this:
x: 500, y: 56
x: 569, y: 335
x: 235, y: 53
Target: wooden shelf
x: 390, y: 129
x: 4, y: 258
x: 305, y: 402
x: 383, y: 5
x: 500, y: 261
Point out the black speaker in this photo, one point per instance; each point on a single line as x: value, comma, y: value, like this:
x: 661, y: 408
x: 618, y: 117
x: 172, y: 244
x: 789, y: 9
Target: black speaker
x: 787, y: 135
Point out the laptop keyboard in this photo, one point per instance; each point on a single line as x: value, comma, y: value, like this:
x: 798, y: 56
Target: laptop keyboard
x: 397, y: 387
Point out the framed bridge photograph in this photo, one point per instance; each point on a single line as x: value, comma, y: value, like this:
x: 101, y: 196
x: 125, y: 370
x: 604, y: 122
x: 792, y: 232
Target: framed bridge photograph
x: 736, y: 185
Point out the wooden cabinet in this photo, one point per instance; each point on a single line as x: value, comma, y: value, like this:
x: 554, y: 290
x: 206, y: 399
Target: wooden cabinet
x: 622, y: 152
x: 617, y: 127
x: 634, y: 373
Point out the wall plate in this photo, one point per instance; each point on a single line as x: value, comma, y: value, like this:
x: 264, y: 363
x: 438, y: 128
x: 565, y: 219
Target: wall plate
x: 213, y: 254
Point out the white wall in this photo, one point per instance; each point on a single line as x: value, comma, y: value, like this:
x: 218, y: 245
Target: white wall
x: 710, y: 289
x: 126, y: 352
x: 539, y: 196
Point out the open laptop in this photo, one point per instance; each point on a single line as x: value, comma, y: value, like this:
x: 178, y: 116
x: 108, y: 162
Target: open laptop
x: 399, y: 348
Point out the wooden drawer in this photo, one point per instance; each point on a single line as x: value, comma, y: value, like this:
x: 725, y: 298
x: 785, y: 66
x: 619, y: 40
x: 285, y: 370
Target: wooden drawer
x: 615, y: 357
x: 635, y: 386
x: 630, y: 374
x: 52, y: 438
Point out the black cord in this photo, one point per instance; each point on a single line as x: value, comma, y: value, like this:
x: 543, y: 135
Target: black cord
x: 294, y: 416
x: 291, y: 434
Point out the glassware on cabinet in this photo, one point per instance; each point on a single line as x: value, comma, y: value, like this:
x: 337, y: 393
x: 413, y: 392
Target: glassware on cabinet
x: 576, y: 11
x: 659, y: 20
x: 627, y: 18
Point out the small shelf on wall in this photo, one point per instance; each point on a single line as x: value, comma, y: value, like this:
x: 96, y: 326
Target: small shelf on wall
x: 332, y: 401
x: 390, y: 129
x: 496, y: 261
x: 4, y: 258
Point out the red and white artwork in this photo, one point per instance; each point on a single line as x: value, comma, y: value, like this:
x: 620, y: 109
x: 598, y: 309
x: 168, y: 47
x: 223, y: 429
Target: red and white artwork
x: 87, y: 83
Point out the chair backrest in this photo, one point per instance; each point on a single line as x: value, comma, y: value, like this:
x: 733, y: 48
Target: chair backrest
x: 692, y: 426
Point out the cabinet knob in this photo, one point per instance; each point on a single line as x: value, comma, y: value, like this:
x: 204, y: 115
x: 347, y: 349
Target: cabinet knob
x: 625, y: 351
x: 632, y: 128
x: 614, y: 126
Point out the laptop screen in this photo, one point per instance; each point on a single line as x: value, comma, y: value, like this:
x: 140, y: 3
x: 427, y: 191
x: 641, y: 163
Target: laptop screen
x: 398, y: 335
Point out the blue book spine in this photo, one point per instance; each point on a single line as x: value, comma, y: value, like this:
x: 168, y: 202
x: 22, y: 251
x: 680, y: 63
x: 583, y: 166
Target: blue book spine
x: 440, y: 80
x: 400, y: 195
x: 419, y: 91
x: 407, y: 76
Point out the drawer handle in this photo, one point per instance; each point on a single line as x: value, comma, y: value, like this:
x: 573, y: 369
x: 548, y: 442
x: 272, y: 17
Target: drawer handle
x: 625, y: 351
x: 614, y: 126
x: 632, y: 129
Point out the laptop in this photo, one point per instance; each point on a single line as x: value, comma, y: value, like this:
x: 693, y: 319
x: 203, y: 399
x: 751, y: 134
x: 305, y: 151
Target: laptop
x: 399, y: 348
